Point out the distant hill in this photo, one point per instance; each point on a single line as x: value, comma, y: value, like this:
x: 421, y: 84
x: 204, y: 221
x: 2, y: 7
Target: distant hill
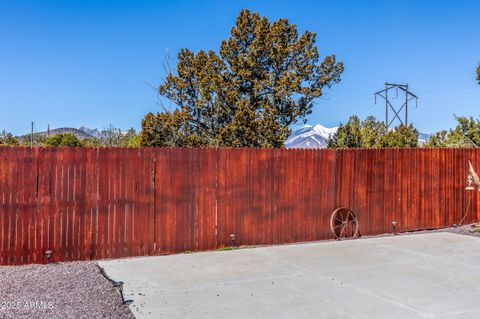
x: 80, y: 134
x: 308, y: 136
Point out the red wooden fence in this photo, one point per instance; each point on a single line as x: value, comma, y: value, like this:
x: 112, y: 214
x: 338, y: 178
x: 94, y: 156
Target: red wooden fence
x: 93, y: 203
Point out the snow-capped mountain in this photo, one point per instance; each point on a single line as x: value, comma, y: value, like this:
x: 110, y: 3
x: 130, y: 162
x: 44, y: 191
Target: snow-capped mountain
x: 101, y: 133
x: 422, y: 138
x: 309, y: 136
x: 317, y: 136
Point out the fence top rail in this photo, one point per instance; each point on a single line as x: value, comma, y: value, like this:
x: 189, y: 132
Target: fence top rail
x: 406, y: 149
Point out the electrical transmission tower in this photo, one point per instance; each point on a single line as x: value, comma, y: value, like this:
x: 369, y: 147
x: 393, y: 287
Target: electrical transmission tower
x: 389, y: 107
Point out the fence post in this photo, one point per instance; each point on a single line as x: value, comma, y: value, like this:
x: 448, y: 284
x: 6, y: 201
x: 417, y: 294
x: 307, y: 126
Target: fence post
x: 152, y: 222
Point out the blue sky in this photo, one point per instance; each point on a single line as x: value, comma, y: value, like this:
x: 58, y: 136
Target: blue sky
x: 94, y: 63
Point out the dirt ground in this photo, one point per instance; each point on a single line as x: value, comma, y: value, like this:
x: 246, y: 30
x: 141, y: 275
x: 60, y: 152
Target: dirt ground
x: 64, y: 290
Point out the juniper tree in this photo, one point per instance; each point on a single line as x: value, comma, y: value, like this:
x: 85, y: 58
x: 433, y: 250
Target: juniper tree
x: 265, y: 77
x: 465, y: 134
x: 401, y: 136
x: 372, y: 133
x: 356, y: 133
x: 8, y: 139
x: 348, y: 135
x: 63, y: 139
x: 439, y: 139
x: 478, y: 74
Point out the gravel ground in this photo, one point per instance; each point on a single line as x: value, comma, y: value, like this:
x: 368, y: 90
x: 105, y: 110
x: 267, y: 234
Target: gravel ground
x: 64, y: 290
x: 463, y: 230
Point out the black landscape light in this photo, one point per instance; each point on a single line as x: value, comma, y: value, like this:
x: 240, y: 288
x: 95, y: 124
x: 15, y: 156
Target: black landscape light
x: 232, y: 239
x: 394, y: 224
x: 119, y: 286
x: 49, y: 255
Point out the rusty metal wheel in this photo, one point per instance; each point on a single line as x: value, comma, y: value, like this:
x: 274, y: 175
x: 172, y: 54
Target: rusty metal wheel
x: 344, y: 223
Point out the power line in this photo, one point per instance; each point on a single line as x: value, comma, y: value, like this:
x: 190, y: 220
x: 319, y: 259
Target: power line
x: 390, y: 107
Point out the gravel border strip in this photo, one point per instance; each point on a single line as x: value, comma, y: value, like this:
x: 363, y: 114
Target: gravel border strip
x: 61, y: 290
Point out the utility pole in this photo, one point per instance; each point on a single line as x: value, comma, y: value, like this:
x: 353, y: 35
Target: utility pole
x: 390, y: 107
x: 386, y: 104
x: 406, y: 104
x: 31, y: 136
x: 48, y: 130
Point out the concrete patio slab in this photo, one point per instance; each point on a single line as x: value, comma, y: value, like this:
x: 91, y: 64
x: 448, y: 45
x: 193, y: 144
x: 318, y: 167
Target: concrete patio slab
x: 428, y: 275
